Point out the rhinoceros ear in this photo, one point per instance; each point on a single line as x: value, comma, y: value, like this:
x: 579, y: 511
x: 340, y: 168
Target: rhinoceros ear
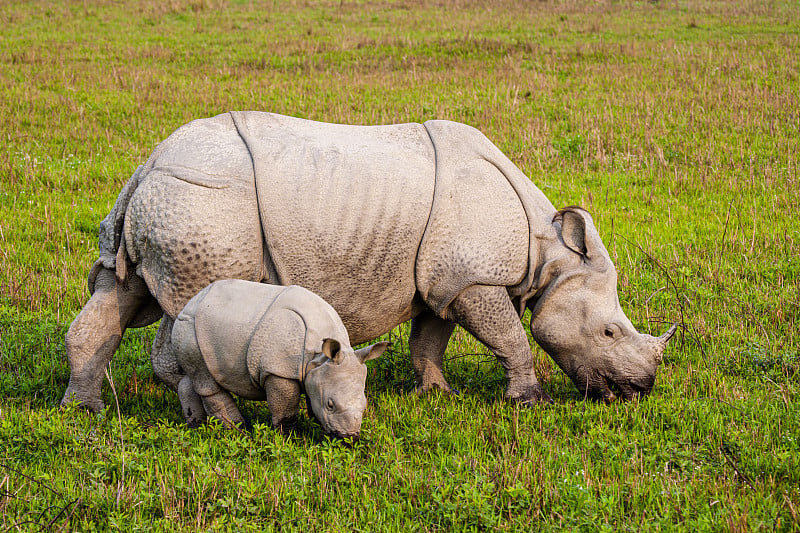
x: 577, y: 230
x: 371, y: 352
x: 332, y: 350
x: 573, y: 228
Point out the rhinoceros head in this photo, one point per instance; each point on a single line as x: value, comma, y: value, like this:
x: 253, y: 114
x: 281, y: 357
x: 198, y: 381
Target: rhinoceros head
x: 334, y: 385
x: 578, y: 321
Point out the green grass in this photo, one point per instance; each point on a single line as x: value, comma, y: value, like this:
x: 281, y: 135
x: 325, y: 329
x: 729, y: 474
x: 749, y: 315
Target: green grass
x: 676, y: 124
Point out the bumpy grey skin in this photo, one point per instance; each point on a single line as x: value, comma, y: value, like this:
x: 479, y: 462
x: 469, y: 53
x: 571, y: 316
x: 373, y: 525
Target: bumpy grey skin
x: 429, y: 222
x: 265, y: 342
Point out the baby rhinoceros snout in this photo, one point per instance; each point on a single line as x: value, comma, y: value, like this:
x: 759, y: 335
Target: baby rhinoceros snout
x: 347, y: 438
x: 346, y: 426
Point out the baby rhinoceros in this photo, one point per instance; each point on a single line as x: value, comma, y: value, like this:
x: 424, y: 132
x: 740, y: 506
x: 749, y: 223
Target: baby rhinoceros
x: 267, y: 342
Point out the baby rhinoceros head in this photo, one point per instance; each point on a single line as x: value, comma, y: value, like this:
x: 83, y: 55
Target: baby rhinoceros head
x: 334, y: 383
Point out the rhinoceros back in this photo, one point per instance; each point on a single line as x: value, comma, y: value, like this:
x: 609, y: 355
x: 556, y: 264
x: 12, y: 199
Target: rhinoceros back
x: 343, y: 209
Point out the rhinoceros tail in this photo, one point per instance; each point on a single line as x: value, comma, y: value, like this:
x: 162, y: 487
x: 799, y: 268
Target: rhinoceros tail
x: 111, y: 241
x: 122, y: 261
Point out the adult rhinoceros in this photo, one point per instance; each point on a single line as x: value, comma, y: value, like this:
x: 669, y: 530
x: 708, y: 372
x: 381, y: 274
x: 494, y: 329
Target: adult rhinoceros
x: 429, y: 222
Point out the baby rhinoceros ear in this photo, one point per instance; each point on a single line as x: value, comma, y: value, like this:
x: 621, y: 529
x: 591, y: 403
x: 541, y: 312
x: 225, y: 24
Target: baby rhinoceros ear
x: 371, y: 352
x: 332, y: 349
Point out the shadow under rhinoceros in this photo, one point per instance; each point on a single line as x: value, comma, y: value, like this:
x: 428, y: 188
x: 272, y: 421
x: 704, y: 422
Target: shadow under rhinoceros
x: 474, y: 374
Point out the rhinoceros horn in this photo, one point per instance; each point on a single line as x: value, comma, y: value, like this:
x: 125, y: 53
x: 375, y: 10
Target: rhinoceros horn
x: 663, y: 340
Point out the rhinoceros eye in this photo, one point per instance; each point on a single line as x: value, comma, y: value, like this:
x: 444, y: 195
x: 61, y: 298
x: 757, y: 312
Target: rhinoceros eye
x: 330, y: 405
x: 609, y: 333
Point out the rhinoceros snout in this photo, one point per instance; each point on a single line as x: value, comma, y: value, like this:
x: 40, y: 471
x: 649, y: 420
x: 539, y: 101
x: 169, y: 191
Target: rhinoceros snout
x: 344, y: 426
x: 627, y: 389
x: 637, y: 388
x: 639, y: 379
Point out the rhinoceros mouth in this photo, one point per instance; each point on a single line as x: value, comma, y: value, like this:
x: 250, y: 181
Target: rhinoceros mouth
x: 606, y: 394
x: 628, y: 389
x: 595, y: 385
x: 608, y: 389
x: 347, y: 439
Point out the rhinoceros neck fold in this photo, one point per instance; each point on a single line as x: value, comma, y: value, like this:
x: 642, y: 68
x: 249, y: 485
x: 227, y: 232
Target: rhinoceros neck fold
x: 270, y: 269
x: 538, y: 211
x: 555, y: 266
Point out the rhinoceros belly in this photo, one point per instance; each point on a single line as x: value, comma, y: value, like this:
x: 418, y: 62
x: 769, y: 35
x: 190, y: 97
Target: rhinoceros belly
x: 343, y: 210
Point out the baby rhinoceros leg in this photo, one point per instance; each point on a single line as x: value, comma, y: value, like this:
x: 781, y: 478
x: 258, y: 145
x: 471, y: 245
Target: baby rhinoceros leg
x: 220, y: 405
x: 199, y: 392
x: 217, y: 402
x: 191, y: 403
x: 283, y: 400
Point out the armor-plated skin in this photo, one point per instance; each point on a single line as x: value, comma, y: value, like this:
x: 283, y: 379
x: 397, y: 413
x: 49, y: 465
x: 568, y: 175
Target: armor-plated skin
x: 429, y: 222
x: 266, y: 342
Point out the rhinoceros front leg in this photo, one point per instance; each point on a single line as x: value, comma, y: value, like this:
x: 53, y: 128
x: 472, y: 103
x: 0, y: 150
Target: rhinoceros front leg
x: 488, y: 314
x: 96, y: 332
x: 283, y: 400
x: 427, y: 343
x: 162, y: 356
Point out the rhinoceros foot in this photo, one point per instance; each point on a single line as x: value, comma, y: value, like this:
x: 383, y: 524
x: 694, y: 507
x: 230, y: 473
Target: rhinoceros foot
x: 88, y: 401
x: 531, y: 396
x: 286, y: 426
x: 429, y: 386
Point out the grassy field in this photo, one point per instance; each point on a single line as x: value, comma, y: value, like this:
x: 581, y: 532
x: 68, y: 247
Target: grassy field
x: 677, y: 124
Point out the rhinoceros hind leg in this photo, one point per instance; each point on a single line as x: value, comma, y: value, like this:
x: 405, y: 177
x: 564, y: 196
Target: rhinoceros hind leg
x: 427, y: 343
x: 199, y: 384
x: 96, y: 332
x: 162, y: 356
x: 191, y: 403
x: 488, y: 314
